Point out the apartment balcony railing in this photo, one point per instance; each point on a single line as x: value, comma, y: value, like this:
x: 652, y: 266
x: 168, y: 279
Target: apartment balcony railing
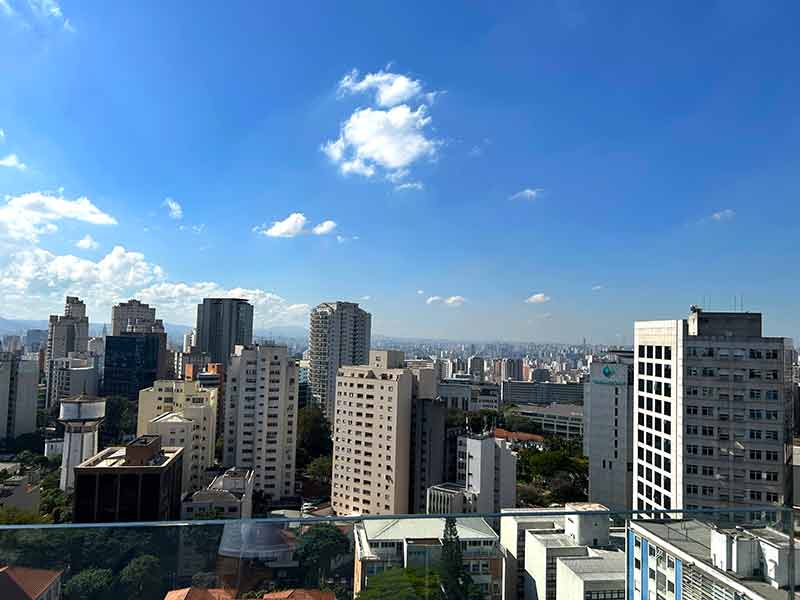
x: 417, y: 556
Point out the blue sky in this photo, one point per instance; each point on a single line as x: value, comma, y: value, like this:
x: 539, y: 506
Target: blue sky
x: 605, y: 164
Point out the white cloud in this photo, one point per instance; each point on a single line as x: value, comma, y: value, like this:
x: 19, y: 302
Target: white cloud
x: 12, y: 162
x: 475, y: 151
x: 365, y: 298
x: 2, y: 131
x: 87, y: 242
x: 35, y: 213
x: 174, y: 208
x: 391, y: 89
x: 398, y: 175
x: 420, y: 292
x: 290, y: 227
x: 392, y: 140
x: 199, y: 228
x: 412, y: 185
x: 324, y: 228
x: 539, y: 298
x: 50, y: 9
x: 35, y: 281
x: 723, y: 215
x: 597, y: 288
x: 527, y: 194
x: 343, y: 239
x: 449, y: 301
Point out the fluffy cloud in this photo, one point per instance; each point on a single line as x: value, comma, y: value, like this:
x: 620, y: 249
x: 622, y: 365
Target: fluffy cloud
x: 36, y: 213
x: 390, y: 88
x: 390, y: 137
x: 12, y: 162
x: 420, y: 292
x: 527, y: 194
x: 539, y: 298
x: 291, y: 226
x: 597, y: 288
x: 324, y: 228
x: 87, y: 242
x: 174, y: 208
x: 723, y: 215
x: 35, y: 281
x: 449, y: 301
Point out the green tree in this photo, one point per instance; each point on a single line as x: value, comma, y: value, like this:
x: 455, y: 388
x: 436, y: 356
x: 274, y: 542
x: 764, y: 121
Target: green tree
x: 90, y: 584
x: 313, y: 435
x: 141, y: 578
x: 317, y: 547
x: 402, y: 584
x: 456, y: 581
x: 15, y: 516
x: 204, y: 579
x: 320, y: 469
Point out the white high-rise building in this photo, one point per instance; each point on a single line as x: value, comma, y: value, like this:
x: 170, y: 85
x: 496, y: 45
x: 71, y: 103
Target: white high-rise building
x: 136, y: 316
x: 73, y: 375
x: 18, y: 389
x: 260, y: 429
x: 171, y: 395
x: 608, y: 430
x: 189, y: 340
x: 372, y: 433
x: 81, y: 416
x: 713, y: 414
x: 339, y: 335
x: 66, y: 333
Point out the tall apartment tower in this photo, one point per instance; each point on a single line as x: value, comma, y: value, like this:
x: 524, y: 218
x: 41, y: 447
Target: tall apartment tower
x: 134, y: 316
x: 339, y: 335
x: 608, y: 429
x: 260, y: 425
x: 222, y: 324
x: 19, y: 381
x: 66, y: 333
x: 372, y: 433
x: 511, y: 369
x: 713, y: 414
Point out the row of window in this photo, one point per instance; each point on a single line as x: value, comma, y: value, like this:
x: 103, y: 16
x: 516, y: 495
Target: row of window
x: 736, y: 374
x: 655, y: 370
x: 735, y: 353
x: 660, y: 407
x: 655, y: 387
x: 657, y: 352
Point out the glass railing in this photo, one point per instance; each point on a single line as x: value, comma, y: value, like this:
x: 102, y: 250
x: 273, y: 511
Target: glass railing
x: 579, y: 552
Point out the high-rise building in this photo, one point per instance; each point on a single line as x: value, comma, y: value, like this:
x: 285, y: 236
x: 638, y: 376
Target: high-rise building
x: 133, y: 361
x: 260, y: 427
x: 428, y: 450
x: 223, y: 323
x: 134, y: 316
x: 35, y: 340
x: 339, y: 335
x: 713, y: 414
x: 195, y: 357
x: 66, y: 333
x: 608, y: 430
x: 73, y: 375
x: 476, y: 367
x: 172, y: 396
x: 189, y: 340
x: 511, y: 368
x: 18, y: 391
x: 137, y: 482
x: 81, y: 416
x: 372, y: 432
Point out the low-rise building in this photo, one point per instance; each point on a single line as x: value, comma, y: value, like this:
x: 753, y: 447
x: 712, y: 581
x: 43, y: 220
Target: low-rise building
x: 137, y: 482
x: 23, y: 583
x: 193, y: 430
x: 693, y: 559
x: 387, y: 543
x: 564, y: 420
x: 228, y: 496
x: 540, y: 392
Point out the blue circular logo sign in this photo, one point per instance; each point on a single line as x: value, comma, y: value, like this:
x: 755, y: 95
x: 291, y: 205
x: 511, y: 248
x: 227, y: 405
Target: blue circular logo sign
x: 608, y: 371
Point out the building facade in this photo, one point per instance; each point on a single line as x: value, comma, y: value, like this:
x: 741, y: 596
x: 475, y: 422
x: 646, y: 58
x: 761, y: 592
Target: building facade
x: 713, y: 414
x: 19, y: 381
x: 81, y: 416
x: 607, y: 430
x: 531, y: 392
x: 228, y: 496
x: 73, y: 375
x: 372, y: 432
x: 138, y: 482
x: 171, y: 395
x: 260, y: 427
x: 134, y: 316
x: 66, y: 333
x: 133, y: 361
x: 339, y: 335
x: 222, y: 324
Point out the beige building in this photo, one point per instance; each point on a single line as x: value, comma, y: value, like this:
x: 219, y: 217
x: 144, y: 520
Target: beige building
x: 66, y: 333
x: 260, y: 427
x: 193, y: 429
x: 372, y: 433
x: 228, y: 496
x: 169, y: 395
x: 134, y: 316
x: 339, y: 335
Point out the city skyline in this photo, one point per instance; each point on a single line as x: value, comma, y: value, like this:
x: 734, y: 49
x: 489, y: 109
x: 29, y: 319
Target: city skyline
x: 441, y: 158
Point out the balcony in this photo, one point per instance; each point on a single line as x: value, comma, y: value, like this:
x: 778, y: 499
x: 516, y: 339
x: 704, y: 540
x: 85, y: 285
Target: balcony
x: 251, y: 558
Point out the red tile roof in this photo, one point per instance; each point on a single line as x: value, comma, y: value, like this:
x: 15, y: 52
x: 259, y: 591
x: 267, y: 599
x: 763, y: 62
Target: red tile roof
x: 299, y: 594
x: 194, y: 593
x: 517, y: 435
x: 22, y: 583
